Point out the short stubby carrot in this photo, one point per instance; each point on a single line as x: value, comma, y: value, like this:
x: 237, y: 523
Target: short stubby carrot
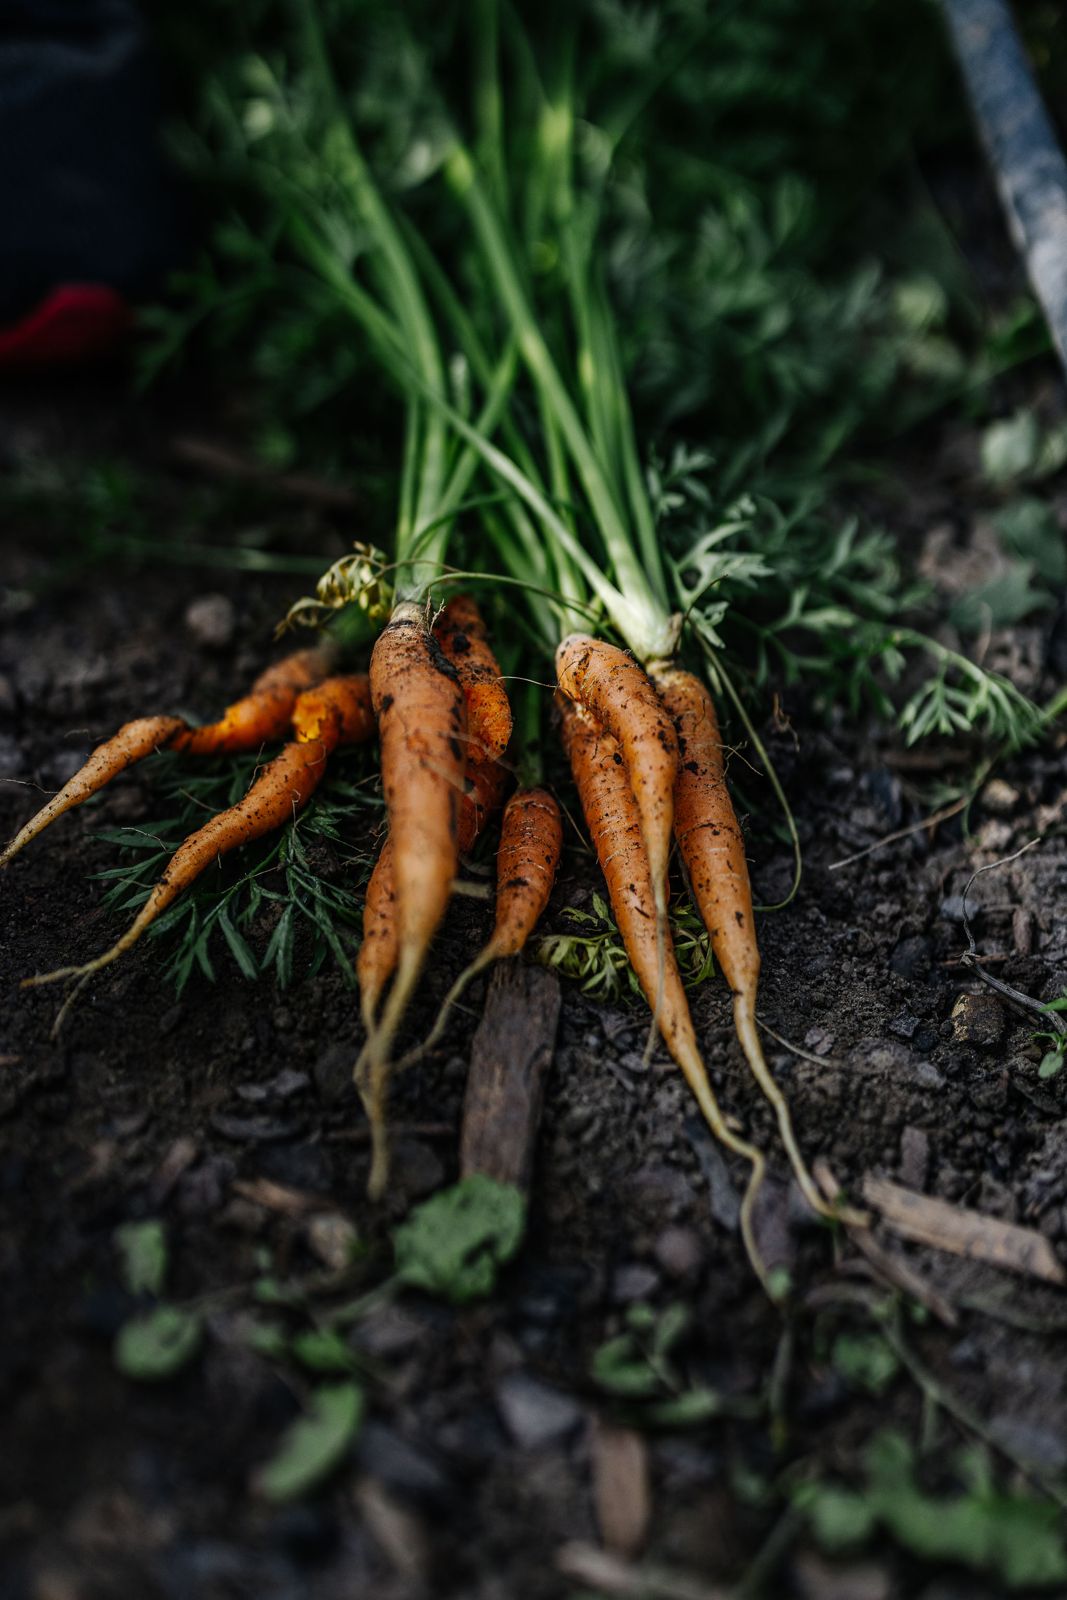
x: 527, y: 859
x: 713, y: 849
x: 260, y: 717
x: 464, y: 639
x: 614, y: 824
x: 280, y: 791
x: 618, y: 693
x: 531, y: 839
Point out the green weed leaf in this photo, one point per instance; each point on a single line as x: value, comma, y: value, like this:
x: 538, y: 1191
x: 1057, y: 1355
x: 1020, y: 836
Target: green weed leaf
x: 315, y: 1444
x: 142, y: 1248
x: 454, y: 1244
x: 157, y: 1345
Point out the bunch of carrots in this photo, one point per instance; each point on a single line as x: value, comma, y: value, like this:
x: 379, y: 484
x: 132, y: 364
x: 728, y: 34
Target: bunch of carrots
x: 546, y: 468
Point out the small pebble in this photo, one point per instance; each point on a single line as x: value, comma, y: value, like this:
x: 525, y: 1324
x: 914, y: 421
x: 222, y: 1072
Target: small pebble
x: 679, y: 1251
x: 999, y: 797
x: 535, y: 1414
x: 333, y: 1239
x: 210, y: 620
x: 914, y: 1157
x: 978, y: 1019
x: 634, y: 1282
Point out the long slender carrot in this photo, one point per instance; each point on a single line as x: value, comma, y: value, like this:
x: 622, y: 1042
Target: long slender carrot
x: 712, y: 846
x: 465, y: 641
x: 260, y: 717
x: 614, y: 824
x: 620, y: 696
x: 531, y: 838
x: 336, y: 712
x: 422, y: 725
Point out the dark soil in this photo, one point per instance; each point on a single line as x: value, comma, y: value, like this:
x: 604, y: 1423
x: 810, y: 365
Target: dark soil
x: 467, y: 1478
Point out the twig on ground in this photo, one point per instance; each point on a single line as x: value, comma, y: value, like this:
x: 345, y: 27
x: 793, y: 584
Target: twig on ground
x: 970, y: 958
x: 930, y: 822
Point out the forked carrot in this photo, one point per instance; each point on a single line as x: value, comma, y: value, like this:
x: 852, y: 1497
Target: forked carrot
x: 712, y: 846
x: 465, y: 641
x: 531, y: 838
x: 337, y: 711
x: 618, y: 693
x: 614, y: 824
x: 260, y: 717
x: 422, y: 727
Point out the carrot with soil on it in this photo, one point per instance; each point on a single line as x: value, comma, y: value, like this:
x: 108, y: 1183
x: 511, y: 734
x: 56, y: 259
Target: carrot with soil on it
x: 376, y: 960
x: 258, y: 718
x: 614, y: 824
x: 713, y: 849
x: 422, y: 724
x: 464, y: 639
x: 338, y: 711
x: 531, y: 839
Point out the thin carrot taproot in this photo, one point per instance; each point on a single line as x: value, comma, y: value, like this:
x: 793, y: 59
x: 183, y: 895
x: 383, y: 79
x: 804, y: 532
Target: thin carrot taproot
x: 260, y: 717
x: 464, y: 639
x: 336, y: 712
x: 531, y: 839
x: 713, y: 849
x: 614, y: 824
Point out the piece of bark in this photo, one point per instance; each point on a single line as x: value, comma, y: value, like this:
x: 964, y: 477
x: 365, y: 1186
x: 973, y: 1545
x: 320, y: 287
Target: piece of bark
x: 930, y: 1221
x: 620, y: 1488
x: 510, y: 1057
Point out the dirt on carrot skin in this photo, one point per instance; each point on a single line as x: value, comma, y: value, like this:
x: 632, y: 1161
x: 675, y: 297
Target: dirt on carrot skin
x: 478, y: 1428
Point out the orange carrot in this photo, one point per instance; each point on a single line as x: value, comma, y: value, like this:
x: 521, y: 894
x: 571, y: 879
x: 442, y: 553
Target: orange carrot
x: 614, y: 823
x: 263, y: 715
x: 465, y: 641
x: 531, y: 838
x: 376, y: 961
x: 376, y: 958
x: 617, y: 692
x: 335, y: 712
x: 709, y: 837
x: 422, y: 725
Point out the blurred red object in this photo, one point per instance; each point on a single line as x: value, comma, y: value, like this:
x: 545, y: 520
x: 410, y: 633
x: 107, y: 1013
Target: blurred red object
x: 74, y: 322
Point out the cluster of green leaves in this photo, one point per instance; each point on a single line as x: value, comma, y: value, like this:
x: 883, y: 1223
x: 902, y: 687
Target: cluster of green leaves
x: 641, y: 1369
x: 1012, y: 1536
x: 783, y: 289
x: 286, y: 881
x: 452, y: 1245
x: 590, y: 950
